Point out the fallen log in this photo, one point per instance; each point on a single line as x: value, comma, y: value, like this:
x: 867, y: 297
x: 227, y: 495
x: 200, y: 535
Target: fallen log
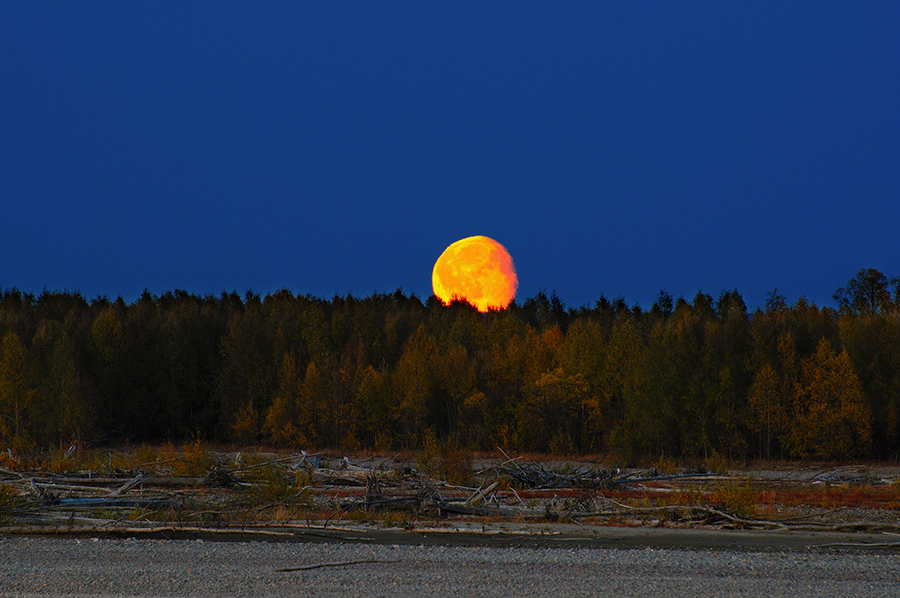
x: 126, y: 486
x: 480, y: 494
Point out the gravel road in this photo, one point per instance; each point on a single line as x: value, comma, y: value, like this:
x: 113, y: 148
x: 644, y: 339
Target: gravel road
x: 32, y: 566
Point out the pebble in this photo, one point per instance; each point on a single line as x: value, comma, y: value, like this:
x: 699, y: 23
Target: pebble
x: 68, y: 567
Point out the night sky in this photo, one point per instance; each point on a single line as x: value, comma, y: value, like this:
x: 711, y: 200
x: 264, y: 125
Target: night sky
x: 613, y: 148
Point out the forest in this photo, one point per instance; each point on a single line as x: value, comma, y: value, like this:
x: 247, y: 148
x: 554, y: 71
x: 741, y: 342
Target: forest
x: 681, y: 379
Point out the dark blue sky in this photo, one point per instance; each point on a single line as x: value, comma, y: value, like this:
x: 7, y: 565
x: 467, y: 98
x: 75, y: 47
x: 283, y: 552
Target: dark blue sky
x: 616, y: 148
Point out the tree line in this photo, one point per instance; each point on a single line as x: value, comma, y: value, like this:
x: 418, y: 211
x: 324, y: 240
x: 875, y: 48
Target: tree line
x: 389, y: 371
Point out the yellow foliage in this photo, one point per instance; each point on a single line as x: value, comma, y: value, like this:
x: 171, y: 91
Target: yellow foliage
x: 294, y: 417
x: 246, y: 424
x: 10, y: 461
x: 197, y: 458
x: 831, y: 416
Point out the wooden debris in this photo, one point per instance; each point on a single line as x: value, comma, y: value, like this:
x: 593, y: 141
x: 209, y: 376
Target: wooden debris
x: 301, y: 486
x: 856, y: 545
x: 535, y: 475
x: 220, y: 477
x: 480, y: 494
x: 127, y: 486
x: 321, y: 565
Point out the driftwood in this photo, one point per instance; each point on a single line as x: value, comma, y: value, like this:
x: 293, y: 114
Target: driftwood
x: 480, y: 494
x: 535, y: 475
x: 856, y: 545
x: 127, y: 486
x: 234, y: 495
x: 220, y: 477
x: 321, y: 565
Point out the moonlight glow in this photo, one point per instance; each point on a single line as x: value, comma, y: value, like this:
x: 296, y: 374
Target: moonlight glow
x: 478, y: 270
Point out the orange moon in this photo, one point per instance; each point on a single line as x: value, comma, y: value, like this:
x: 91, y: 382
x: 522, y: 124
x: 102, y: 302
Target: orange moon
x: 478, y: 270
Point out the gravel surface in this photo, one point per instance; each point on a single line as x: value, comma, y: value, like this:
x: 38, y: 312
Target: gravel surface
x: 131, y: 567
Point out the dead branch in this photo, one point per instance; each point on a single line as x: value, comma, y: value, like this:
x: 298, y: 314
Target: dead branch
x: 480, y: 494
x: 320, y: 565
x: 126, y: 486
x: 220, y: 477
x: 856, y: 545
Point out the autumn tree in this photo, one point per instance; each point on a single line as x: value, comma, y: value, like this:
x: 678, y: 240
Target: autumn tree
x: 766, y: 406
x: 16, y: 389
x: 623, y: 386
x: 371, y: 421
x: 831, y: 418
x: 552, y: 416
x: 584, y: 353
x: 873, y: 344
x: 773, y: 394
x: 726, y: 379
x: 414, y: 382
x: 247, y: 372
x: 296, y: 414
x: 61, y: 392
x: 682, y: 378
x: 188, y: 349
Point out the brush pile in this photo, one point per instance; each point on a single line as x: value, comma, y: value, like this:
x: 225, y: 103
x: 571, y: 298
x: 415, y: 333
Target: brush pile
x: 311, y: 490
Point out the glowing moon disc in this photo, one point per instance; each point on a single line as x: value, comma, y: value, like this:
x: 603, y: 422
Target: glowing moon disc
x: 478, y: 270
